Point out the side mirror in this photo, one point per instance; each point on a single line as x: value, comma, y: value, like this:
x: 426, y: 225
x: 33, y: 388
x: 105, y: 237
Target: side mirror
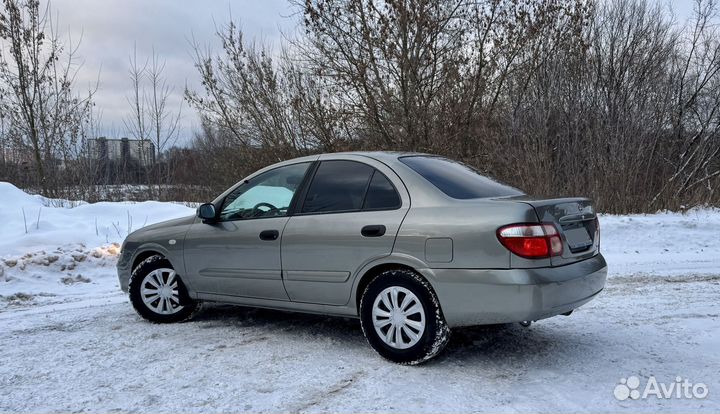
x: 206, y: 212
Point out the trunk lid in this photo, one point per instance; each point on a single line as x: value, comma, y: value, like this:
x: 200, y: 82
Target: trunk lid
x: 576, y: 221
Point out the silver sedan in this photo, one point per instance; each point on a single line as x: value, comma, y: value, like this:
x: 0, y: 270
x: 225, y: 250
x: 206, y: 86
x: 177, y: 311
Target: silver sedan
x: 411, y: 244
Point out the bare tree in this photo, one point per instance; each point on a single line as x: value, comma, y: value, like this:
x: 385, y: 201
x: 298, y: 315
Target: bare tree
x: 38, y: 75
x: 6, y: 162
x: 164, y: 122
x: 264, y: 100
x: 151, y: 119
x: 424, y: 73
x: 136, y: 122
x: 696, y: 117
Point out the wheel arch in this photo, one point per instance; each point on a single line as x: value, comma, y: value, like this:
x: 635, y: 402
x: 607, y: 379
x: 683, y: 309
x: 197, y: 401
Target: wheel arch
x: 174, y: 256
x: 144, y: 255
x: 372, y: 270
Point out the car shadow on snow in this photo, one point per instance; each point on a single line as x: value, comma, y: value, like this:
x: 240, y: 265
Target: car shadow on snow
x: 276, y: 322
x: 543, y: 343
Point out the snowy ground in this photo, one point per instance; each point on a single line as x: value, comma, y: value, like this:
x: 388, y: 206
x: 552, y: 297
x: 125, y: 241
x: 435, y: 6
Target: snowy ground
x: 69, y: 341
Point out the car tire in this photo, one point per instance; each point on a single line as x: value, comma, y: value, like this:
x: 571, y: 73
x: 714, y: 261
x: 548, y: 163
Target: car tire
x: 158, y: 294
x: 401, y: 302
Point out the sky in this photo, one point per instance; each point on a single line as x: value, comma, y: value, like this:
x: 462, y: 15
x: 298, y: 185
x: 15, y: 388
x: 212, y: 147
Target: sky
x: 108, y: 31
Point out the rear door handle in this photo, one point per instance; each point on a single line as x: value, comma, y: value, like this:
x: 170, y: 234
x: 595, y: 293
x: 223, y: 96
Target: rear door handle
x: 375, y: 230
x: 269, y: 235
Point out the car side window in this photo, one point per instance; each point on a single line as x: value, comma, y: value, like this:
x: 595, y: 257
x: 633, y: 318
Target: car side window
x: 338, y: 186
x: 266, y: 195
x: 381, y: 194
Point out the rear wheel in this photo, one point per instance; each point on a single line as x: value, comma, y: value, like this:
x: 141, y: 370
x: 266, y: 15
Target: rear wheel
x: 401, y: 317
x: 158, y: 294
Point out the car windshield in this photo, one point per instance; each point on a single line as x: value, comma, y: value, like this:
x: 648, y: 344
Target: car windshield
x: 456, y: 179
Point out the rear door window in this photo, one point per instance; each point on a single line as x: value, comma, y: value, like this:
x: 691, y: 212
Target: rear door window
x: 338, y: 186
x: 381, y: 194
x: 456, y: 179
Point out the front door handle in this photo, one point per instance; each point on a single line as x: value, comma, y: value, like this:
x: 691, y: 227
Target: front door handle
x: 375, y: 230
x: 269, y: 235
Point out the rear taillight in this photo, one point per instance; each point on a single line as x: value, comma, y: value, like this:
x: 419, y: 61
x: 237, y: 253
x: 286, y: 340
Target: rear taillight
x: 531, y: 241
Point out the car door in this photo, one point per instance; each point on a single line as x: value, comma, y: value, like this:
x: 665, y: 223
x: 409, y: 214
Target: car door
x: 349, y: 215
x: 238, y: 254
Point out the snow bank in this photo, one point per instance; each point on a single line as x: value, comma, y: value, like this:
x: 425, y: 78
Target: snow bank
x: 52, y: 254
x: 31, y: 223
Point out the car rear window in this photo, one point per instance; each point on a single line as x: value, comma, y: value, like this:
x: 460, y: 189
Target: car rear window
x: 456, y: 179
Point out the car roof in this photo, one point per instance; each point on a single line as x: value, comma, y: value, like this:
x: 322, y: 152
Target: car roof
x: 378, y: 155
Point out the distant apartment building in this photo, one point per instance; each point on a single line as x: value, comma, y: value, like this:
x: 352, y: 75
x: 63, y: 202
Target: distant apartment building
x: 141, y: 151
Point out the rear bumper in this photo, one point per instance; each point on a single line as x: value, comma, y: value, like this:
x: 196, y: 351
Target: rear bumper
x: 488, y: 296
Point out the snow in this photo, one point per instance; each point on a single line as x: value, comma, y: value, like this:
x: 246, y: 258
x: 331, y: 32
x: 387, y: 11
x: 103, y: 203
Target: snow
x: 70, y: 340
x: 74, y: 223
x: 663, y: 243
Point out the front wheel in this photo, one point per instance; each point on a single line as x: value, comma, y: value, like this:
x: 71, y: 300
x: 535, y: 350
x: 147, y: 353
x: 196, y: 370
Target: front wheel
x: 401, y: 317
x: 158, y: 294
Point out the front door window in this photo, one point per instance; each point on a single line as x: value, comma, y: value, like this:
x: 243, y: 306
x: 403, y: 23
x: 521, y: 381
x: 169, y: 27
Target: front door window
x: 266, y: 195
